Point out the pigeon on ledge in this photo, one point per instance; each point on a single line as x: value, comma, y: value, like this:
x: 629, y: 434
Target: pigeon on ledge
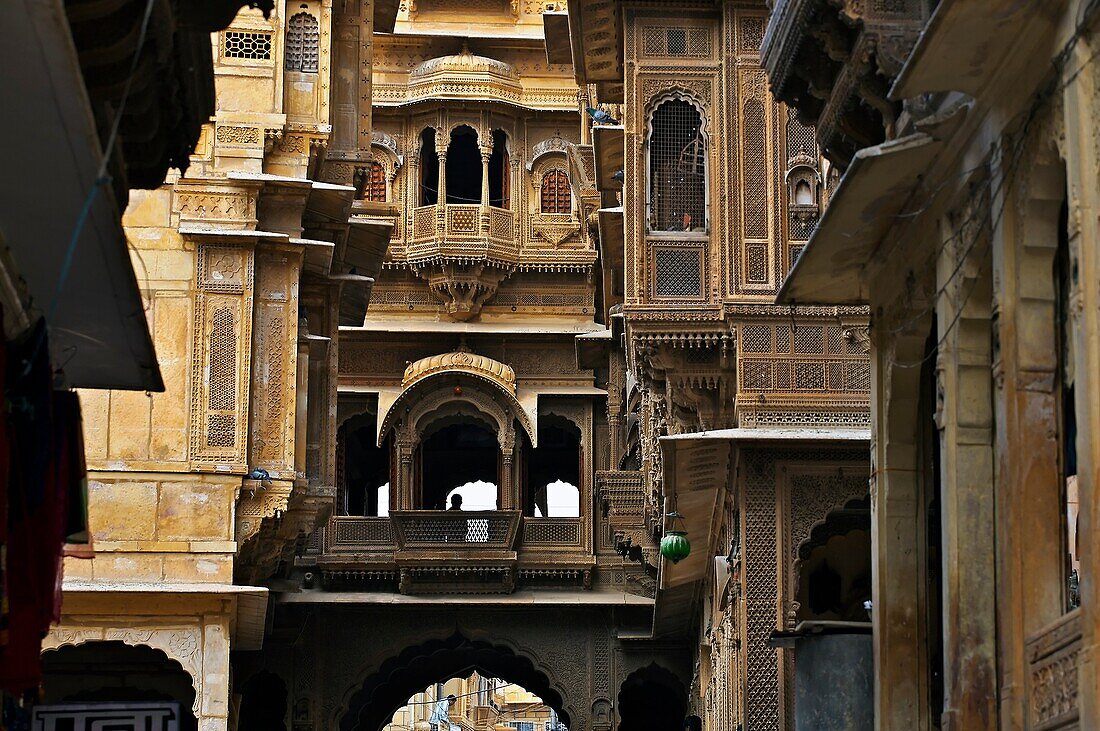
x: 258, y: 473
x: 618, y: 176
x: 599, y: 116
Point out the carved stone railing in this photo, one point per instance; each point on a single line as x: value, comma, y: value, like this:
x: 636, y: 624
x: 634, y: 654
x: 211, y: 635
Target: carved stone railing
x: 1053, y: 657
x: 552, y: 533
x: 814, y: 373
x: 423, y: 223
x: 463, y: 232
x: 453, y: 530
x: 346, y: 531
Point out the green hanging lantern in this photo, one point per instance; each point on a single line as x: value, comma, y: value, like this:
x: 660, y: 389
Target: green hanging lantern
x: 675, y: 545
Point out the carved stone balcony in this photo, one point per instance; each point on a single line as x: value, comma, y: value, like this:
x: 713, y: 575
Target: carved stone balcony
x: 834, y: 61
x: 464, y: 251
x: 433, y: 551
x: 441, y: 533
x: 463, y: 232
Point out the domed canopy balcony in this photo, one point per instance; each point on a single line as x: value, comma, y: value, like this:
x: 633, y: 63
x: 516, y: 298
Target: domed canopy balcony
x: 464, y: 76
x: 463, y: 238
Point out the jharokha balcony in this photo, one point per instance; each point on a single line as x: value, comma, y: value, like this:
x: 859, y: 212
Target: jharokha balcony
x: 457, y: 430
x: 448, y: 550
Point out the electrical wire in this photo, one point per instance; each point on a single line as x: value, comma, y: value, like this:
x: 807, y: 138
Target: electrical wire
x: 1022, y: 142
x: 101, y: 179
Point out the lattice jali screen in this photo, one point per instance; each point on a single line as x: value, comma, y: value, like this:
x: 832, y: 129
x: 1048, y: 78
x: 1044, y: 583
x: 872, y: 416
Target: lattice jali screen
x: 552, y: 531
x: 755, y: 189
x: 423, y: 222
x: 246, y: 45
x: 456, y: 528
x: 676, y: 42
x: 677, y: 168
x: 462, y: 219
x: 361, y: 531
x: 677, y: 272
x: 808, y: 358
x: 220, y: 355
x: 221, y: 425
x: 501, y: 224
x: 800, y: 139
x: 303, y: 43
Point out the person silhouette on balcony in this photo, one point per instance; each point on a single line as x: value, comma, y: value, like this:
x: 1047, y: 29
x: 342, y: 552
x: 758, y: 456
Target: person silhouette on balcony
x: 457, y: 532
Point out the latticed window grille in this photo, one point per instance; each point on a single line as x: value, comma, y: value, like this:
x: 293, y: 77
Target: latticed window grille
x: 375, y: 189
x: 678, y: 273
x: 676, y: 41
x: 555, y: 195
x: 677, y: 168
x: 303, y: 43
x: 255, y: 46
x: 222, y: 379
x: 800, y: 139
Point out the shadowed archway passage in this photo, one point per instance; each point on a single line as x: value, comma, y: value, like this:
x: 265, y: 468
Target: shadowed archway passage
x: 652, y: 699
x: 372, y: 706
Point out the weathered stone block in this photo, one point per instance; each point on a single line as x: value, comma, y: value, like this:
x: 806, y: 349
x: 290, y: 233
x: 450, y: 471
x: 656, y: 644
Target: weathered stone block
x: 122, y: 510
x: 148, y: 208
x: 193, y: 511
x: 127, y: 567
x: 212, y: 568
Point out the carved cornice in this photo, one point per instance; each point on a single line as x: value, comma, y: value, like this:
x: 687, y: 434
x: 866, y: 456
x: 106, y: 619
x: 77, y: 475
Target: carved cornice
x: 463, y: 361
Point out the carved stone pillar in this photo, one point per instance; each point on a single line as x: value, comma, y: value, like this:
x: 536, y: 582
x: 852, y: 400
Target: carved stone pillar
x: 486, y: 153
x: 401, y: 498
x: 1030, y: 515
x: 350, y: 89
x: 509, y: 486
x: 898, y: 560
x: 301, y: 409
x: 964, y: 417
x: 483, y: 219
x: 441, y: 197
x: 1082, y: 155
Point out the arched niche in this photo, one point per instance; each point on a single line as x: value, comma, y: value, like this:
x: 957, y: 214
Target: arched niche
x: 652, y: 698
x: 99, y: 671
x: 556, y: 465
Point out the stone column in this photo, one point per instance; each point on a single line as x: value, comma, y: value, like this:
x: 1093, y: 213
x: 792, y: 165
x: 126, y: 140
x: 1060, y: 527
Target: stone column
x: 897, y: 532
x: 486, y: 153
x: 350, y: 87
x: 509, y: 499
x: 965, y: 420
x: 483, y: 219
x: 1082, y: 106
x: 301, y: 408
x: 441, y: 196
x: 214, y: 706
x: 1029, y: 510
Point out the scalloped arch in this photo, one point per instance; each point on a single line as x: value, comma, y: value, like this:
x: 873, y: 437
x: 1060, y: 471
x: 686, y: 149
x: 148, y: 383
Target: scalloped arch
x: 56, y: 641
x: 371, y: 702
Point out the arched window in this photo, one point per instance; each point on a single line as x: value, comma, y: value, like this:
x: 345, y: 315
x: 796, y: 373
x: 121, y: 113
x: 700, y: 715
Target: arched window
x: 499, y: 190
x: 555, y: 196
x: 429, y: 169
x: 463, y: 167
x: 677, y: 168
x: 303, y: 43
x: 375, y: 188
